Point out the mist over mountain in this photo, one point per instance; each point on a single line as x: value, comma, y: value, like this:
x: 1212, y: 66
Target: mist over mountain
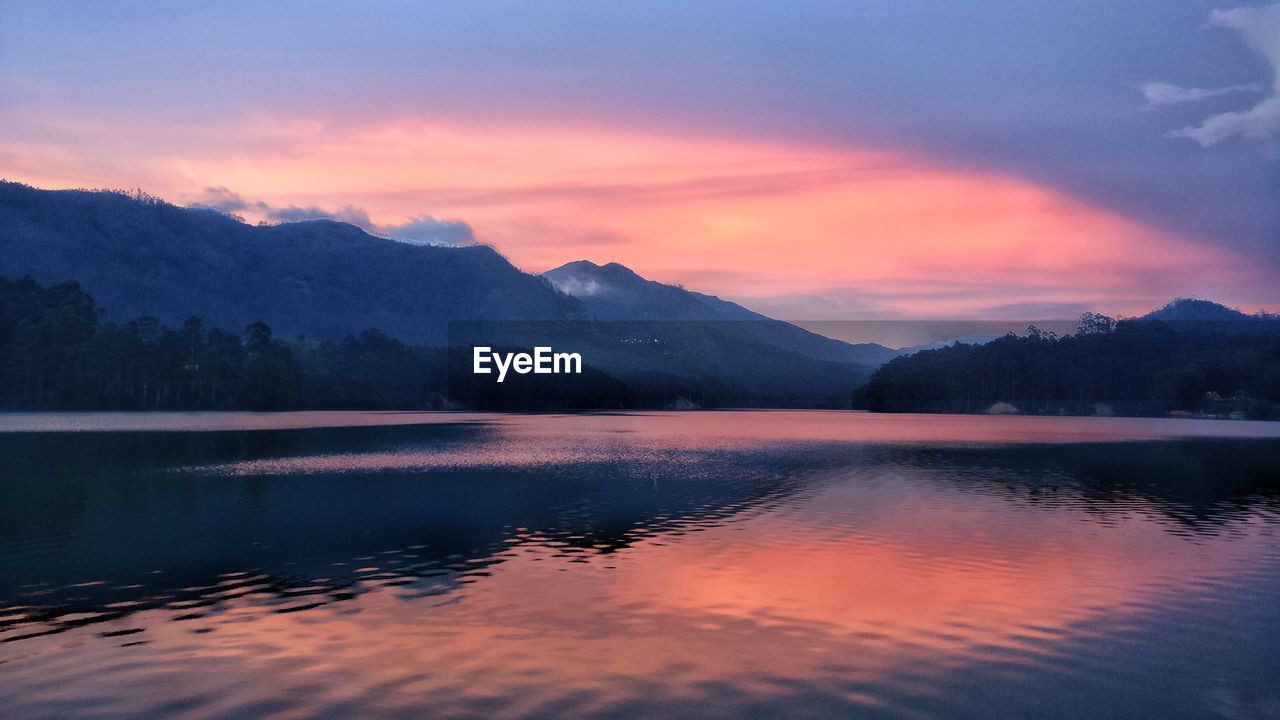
x: 614, y: 292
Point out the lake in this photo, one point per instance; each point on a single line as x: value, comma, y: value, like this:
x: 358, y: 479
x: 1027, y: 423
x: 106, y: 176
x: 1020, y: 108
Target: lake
x: 707, y: 564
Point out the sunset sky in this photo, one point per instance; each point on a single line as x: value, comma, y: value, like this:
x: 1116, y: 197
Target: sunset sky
x: 815, y: 161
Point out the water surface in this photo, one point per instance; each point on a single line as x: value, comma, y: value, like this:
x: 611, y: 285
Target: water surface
x: 761, y: 564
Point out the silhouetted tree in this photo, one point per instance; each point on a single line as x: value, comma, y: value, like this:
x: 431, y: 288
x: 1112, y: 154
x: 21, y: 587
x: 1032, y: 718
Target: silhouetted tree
x: 271, y: 373
x: 1094, y: 323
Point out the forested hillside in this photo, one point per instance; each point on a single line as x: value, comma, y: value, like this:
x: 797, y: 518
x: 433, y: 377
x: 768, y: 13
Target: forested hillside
x: 139, y: 255
x: 1135, y: 367
x: 57, y: 352
x: 153, y: 266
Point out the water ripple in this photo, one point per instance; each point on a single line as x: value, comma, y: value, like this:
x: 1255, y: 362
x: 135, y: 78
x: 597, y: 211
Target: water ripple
x: 633, y: 566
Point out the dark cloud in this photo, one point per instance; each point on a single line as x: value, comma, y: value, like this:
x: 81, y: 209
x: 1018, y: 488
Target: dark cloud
x: 417, y: 230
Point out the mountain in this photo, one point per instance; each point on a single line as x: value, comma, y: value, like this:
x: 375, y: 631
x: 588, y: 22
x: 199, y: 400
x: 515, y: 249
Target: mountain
x: 614, y: 292
x: 1198, y: 315
x: 139, y: 256
x: 1196, y: 310
x: 322, y: 279
x: 1191, y: 357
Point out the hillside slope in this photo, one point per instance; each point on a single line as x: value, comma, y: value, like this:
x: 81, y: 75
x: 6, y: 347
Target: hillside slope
x: 613, y: 292
x: 320, y: 278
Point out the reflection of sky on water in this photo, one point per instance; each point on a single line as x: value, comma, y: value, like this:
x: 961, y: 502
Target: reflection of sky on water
x: 579, y: 566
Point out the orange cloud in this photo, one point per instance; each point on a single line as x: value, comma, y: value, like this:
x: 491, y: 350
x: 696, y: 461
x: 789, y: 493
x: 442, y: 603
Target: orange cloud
x: 755, y: 221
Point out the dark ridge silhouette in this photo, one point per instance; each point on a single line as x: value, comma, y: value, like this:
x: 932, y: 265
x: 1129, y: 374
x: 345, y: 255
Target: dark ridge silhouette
x: 1199, y: 315
x: 1134, y: 367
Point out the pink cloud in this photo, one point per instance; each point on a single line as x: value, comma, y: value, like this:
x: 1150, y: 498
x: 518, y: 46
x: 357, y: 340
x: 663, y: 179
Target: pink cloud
x: 779, y: 226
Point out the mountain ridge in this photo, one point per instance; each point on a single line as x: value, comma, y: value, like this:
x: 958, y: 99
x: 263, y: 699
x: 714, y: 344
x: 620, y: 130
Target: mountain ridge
x: 614, y: 292
x: 324, y: 280
x: 1201, y: 310
x: 319, y: 278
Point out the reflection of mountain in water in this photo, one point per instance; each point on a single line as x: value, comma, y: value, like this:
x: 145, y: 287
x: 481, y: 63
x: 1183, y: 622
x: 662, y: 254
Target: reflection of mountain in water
x: 1199, y: 485
x: 97, y: 526
x: 111, y: 538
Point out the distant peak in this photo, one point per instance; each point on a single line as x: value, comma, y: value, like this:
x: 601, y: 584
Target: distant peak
x: 1183, y: 302
x: 1195, y: 309
x: 574, y: 266
x: 619, y: 269
x: 586, y: 266
x: 583, y: 278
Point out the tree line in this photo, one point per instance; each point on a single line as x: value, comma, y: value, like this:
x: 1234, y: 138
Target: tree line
x: 1130, y: 367
x: 57, y: 352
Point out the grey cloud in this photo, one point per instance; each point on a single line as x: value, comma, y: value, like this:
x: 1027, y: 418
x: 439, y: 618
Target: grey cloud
x: 427, y: 230
x: 1159, y: 93
x: 417, y: 230
x: 221, y: 198
x: 293, y: 213
x: 1262, y: 122
x: 1259, y: 28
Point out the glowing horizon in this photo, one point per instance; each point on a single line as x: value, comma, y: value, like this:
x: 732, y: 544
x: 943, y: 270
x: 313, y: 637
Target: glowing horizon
x: 786, y: 229
x: 856, y: 179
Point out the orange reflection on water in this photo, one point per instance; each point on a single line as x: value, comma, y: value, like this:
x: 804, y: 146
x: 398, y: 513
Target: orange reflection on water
x: 875, y: 574
x: 868, y: 580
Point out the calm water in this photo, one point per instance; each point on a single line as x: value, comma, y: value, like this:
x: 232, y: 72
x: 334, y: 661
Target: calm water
x: 771, y: 564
